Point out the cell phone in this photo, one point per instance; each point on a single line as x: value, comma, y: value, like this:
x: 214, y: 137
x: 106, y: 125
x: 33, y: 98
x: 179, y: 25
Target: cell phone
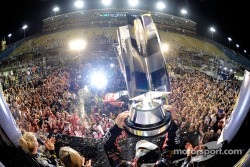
x: 51, y: 134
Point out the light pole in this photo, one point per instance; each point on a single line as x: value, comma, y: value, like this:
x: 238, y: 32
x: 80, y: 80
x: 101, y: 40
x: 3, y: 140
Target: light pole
x: 237, y: 45
x: 212, y: 31
x: 55, y: 9
x: 229, y: 40
x: 184, y: 12
x: 9, y: 37
x: 24, y: 28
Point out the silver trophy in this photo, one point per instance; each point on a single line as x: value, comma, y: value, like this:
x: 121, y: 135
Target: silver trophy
x: 144, y: 68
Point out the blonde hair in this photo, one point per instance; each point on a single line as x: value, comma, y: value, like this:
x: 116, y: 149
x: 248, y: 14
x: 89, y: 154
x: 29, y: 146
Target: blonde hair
x: 28, y: 142
x: 70, y: 157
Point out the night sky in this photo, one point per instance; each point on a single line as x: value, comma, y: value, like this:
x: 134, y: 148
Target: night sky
x: 228, y: 17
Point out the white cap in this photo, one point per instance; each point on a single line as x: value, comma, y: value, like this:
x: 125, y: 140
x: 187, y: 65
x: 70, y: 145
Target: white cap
x: 143, y: 147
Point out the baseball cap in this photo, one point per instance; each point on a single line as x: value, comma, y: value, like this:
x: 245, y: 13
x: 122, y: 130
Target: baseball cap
x: 146, y: 152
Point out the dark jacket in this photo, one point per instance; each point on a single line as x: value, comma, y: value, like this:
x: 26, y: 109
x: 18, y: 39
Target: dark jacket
x: 42, y: 160
x: 113, y: 151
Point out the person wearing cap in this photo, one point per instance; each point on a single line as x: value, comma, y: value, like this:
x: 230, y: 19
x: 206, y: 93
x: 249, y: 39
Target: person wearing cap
x: 147, y: 154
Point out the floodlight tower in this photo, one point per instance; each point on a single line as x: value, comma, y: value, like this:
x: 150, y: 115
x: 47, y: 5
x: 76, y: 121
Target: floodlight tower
x: 55, y: 9
x: 24, y: 28
x: 237, y: 45
x: 212, y: 29
x: 9, y: 36
x: 184, y: 12
x: 229, y: 41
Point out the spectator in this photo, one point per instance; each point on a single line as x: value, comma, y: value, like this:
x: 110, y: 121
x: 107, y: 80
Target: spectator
x: 29, y: 143
x: 72, y: 158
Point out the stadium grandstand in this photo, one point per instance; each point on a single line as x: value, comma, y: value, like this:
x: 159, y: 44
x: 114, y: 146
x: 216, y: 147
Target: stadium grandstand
x: 115, y: 18
x: 48, y: 87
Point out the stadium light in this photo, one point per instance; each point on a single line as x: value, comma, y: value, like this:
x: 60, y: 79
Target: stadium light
x: 106, y: 2
x: 229, y: 41
x: 24, y: 28
x: 9, y: 37
x: 133, y: 3
x: 245, y: 51
x: 55, y: 9
x: 160, y: 5
x: 77, y: 44
x: 237, y: 45
x: 165, y: 47
x: 212, y: 31
x: 98, y: 79
x: 79, y: 4
x: 184, y: 12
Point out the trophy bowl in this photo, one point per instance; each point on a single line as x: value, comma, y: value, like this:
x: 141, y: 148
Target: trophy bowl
x: 147, y: 119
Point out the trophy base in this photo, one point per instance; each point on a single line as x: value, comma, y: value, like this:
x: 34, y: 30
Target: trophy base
x: 149, y: 130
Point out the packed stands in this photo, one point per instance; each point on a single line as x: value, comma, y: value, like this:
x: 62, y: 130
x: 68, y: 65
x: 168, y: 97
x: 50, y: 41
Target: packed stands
x: 48, y: 89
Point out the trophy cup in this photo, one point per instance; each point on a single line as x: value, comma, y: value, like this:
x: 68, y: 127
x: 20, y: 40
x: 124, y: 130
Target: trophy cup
x: 144, y: 69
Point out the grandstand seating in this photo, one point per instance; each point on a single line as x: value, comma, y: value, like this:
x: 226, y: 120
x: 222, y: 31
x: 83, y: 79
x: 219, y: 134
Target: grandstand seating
x: 235, y: 56
x: 9, y: 49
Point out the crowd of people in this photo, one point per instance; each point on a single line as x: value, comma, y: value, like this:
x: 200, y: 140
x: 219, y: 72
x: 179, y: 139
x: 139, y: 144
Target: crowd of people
x: 58, y: 103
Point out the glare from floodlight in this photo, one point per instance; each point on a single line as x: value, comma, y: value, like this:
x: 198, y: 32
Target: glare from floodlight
x: 183, y: 11
x: 77, y: 44
x: 212, y: 29
x: 237, y: 45
x: 55, y: 9
x: 160, y: 5
x: 79, y: 4
x: 98, y: 79
x: 106, y: 2
x: 229, y: 41
x: 112, y: 65
x: 165, y: 47
x: 9, y: 37
x: 24, y: 27
x: 133, y: 3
